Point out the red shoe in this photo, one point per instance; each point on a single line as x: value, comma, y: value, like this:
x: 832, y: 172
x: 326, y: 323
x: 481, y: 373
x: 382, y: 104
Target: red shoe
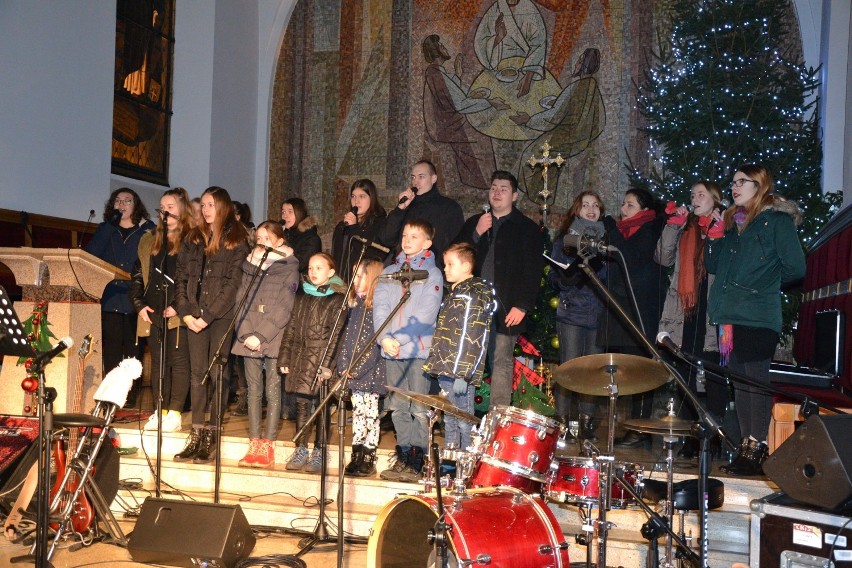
x: 265, y: 457
x: 251, y: 455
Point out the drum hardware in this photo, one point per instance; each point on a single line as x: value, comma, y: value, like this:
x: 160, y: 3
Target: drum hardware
x: 544, y: 371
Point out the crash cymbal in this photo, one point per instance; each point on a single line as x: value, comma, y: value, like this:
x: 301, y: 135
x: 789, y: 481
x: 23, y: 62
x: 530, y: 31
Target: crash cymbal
x: 436, y: 402
x: 668, y: 424
x: 591, y: 374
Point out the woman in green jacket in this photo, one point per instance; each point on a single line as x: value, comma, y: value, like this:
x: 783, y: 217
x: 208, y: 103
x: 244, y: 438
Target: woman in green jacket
x: 758, y: 253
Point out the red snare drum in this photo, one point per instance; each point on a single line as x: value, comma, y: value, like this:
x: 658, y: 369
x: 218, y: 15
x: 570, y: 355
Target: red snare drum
x: 498, y: 527
x: 517, y: 450
x: 575, y: 480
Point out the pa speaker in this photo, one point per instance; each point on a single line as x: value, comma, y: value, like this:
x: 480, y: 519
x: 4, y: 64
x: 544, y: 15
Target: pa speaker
x: 184, y: 533
x: 814, y: 464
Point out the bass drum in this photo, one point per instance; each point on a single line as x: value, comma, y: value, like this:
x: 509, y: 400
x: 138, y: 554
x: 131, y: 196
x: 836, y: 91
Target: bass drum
x: 497, y: 527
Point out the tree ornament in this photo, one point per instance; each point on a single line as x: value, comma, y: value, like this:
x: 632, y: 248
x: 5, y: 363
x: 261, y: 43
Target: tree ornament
x: 554, y: 342
x: 554, y: 302
x: 516, y: 351
x: 29, y: 384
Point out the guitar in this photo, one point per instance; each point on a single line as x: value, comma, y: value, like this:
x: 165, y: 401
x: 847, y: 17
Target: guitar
x: 83, y: 513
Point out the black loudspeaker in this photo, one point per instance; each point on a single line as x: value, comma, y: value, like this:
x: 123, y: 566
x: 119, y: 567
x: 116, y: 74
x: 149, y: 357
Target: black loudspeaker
x: 185, y: 533
x: 815, y: 463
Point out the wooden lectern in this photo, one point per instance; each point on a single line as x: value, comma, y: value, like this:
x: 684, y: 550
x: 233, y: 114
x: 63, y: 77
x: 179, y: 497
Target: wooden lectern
x: 72, y: 281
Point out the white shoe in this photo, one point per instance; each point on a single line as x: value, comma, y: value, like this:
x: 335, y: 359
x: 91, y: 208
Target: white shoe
x: 151, y: 424
x: 172, y: 422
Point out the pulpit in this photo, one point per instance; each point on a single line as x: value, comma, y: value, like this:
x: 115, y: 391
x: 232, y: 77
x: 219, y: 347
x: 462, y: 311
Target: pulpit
x: 72, y: 282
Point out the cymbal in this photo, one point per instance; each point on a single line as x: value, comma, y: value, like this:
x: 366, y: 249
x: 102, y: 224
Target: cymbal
x: 591, y: 374
x: 668, y: 424
x: 436, y: 402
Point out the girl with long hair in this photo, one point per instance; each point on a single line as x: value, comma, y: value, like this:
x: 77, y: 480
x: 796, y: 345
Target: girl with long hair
x: 300, y: 230
x: 209, y: 273
x: 365, y: 219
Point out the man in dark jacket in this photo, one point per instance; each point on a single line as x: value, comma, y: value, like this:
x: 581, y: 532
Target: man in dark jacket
x: 426, y: 202
x: 509, y: 249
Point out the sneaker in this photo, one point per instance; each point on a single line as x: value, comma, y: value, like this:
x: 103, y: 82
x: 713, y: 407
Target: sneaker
x: 265, y: 457
x: 172, y: 422
x: 398, y: 465
x: 151, y: 424
x: 298, y: 460
x: 314, y: 464
x: 251, y: 455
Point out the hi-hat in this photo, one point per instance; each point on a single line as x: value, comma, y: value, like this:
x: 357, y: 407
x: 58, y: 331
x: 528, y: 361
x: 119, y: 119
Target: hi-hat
x: 668, y: 424
x: 591, y: 374
x: 436, y: 402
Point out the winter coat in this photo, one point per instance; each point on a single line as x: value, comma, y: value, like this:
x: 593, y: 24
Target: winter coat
x: 211, y: 295
x: 268, y: 306
x: 580, y: 302
x: 304, y: 240
x: 672, y: 320
x: 308, y: 334
x: 518, y: 264
x: 444, y: 213
x: 414, y: 323
x: 146, y: 282
x: 462, y: 332
x: 345, y: 251
x: 110, y: 246
x: 752, y: 267
x: 369, y: 374
x: 649, y: 284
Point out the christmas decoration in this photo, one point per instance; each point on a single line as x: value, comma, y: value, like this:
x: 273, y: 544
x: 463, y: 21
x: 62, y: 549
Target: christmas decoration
x: 727, y: 87
x: 528, y: 397
x: 482, y: 397
x: 541, y: 326
x: 37, y: 329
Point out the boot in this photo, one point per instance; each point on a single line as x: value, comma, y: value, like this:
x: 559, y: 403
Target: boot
x: 587, y: 428
x: 191, y: 448
x: 749, y: 459
x: 411, y: 473
x: 355, y: 461
x: 634, y: 439
x: 400, y: 463
x: 368, y: 463
x: 251, y: 455
x: 241, y: 406
x: 207, y: 447
x: 265, y: 454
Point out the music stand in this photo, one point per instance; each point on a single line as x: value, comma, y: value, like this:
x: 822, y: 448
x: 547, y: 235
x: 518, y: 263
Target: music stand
x: 13, y: 340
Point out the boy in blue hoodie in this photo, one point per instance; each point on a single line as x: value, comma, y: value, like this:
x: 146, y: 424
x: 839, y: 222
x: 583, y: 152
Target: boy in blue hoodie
x: 405, y: 343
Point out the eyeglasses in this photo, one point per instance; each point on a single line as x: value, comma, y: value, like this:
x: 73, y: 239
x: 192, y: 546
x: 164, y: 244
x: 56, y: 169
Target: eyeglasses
x: 128, y: 201
x: 741, y: 182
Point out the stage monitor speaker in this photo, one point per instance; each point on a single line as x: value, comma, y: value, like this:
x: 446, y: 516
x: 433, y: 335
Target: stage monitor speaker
x: 814, y: 465
x: 186, y: 533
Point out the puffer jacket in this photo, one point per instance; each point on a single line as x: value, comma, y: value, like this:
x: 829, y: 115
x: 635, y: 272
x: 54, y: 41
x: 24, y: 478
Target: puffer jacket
x: 110, y: 246
x: 368, y: 375
x: 211, y: 295
x: 580, y: 302
x: 752, y: 267
x: 268, y: 306
x: 305, y: 241
x: 309, y: 332
x: 462, y: 332
x: 414, y: 323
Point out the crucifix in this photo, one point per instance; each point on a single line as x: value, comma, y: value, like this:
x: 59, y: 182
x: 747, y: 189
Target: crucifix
x: 546, y: 161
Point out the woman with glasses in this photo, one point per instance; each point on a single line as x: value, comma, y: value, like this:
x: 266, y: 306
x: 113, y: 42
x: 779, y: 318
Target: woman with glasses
x: 757, y: 255
x: 682, y: 246
x: 116, y: 241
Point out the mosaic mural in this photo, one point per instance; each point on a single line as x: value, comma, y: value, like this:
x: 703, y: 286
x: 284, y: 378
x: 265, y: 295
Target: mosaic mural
x: 365, y: 88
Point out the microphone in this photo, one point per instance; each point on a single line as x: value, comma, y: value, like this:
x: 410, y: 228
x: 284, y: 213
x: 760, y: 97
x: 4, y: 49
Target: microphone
x: 271, y: 249
x: 91, y: 215
x: 486, y: 208
x: 64, y: 343
x: 165, y: 214
x: 406, y: 275
x: 80, y: 236
x: 354, y: 211
x: 724, y: 204
x: 665, y: 339
x: 403, y: 199
x: 370, y: 243
x: 582, y: 242
x: 115, y: 216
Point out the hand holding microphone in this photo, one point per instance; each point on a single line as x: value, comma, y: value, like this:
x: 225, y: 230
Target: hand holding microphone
x: 406, y: 196
x: 486, y: 221
x: 351, y: 217
x: 677, y: 213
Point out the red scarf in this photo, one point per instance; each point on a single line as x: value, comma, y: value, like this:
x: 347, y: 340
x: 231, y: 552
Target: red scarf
x: 691, y: 273
x: 628, y: 227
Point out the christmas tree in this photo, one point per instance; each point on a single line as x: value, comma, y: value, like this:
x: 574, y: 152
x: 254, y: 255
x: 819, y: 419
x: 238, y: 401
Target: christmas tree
x: 727, y: 87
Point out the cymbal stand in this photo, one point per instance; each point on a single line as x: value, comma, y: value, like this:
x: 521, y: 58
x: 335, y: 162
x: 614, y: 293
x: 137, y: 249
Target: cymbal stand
x: 439, y: 536
x: 668, y: 445
x: 605, y: 468
x: 432, y: 469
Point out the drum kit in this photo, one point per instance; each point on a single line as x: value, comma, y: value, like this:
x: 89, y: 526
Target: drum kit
x: 496, y: 506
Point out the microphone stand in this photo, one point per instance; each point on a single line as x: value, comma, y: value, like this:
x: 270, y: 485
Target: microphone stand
x: 221, y: 361
x: 704, y: 415
x: 162, y: 372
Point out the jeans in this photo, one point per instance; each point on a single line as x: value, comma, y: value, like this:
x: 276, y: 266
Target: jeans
x: 754, y: 408
x: 501, y: 354
x: 202, y: 346
x: 575, y: 341
x: 176, y: 376
x: 457, y: 431
x: 254, y: 382
x: 409, y: 418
